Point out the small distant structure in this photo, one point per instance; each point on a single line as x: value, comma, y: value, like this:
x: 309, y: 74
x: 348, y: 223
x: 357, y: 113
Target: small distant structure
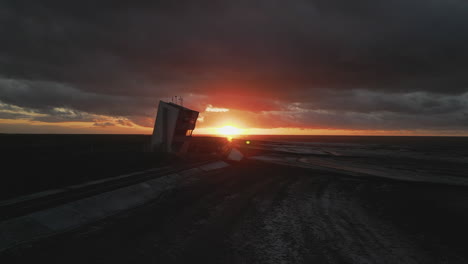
x: 173, y: 127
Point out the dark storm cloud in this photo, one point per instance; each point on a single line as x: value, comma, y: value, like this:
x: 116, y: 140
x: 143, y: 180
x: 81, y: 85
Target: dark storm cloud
x: 44, y: 96
x: 365, y: 101
x: 117, y: 57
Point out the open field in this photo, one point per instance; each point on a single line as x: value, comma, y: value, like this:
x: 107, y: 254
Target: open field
x: 32, y: 163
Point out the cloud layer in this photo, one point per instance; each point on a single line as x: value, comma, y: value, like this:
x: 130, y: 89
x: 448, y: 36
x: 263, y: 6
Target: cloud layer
x: 310, y: 64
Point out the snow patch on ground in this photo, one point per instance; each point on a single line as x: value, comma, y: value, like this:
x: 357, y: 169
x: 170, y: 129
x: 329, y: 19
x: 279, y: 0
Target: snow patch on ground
x: 338, y: 227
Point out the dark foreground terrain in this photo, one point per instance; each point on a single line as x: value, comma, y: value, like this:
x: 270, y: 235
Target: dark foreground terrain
x: 34, y: 163
x: 254, y: 212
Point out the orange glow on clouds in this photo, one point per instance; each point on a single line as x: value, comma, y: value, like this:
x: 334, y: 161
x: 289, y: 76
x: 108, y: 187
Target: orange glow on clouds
x: 338, y: 132
x: 28, y: 126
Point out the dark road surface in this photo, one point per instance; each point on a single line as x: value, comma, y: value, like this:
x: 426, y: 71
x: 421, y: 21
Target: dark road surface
x: 255, y: 212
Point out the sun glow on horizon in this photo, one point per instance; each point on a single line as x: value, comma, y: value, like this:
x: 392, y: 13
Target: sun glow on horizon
x: 229, y: 131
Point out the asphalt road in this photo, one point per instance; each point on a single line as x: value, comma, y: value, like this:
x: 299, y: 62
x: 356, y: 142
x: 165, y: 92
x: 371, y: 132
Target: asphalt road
x: 255, y: 212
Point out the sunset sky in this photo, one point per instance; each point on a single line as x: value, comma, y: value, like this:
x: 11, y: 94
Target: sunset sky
x: 375, y: 67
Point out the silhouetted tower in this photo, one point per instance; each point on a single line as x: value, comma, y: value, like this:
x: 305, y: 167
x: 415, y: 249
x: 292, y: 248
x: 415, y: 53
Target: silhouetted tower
x: 173, y: 127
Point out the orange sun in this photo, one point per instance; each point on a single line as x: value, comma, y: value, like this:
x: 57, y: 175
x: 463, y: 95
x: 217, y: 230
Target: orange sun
x: 229, y: 131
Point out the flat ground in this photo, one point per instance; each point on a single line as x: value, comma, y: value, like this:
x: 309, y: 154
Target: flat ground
x: 35, y: 163
x: 255, y: 212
